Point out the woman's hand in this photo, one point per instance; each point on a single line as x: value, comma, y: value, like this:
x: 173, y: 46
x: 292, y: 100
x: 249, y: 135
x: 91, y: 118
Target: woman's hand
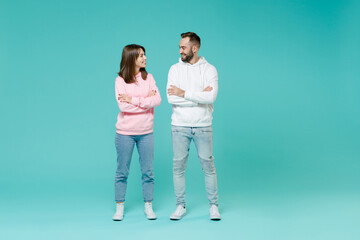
x: 152, y: 93
x: 124, y: 98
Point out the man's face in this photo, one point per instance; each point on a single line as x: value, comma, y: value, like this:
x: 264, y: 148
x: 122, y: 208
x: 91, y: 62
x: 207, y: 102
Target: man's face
x: 186, y: 49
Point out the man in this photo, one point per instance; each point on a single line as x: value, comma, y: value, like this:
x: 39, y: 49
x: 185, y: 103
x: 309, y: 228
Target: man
x: 192, y: 88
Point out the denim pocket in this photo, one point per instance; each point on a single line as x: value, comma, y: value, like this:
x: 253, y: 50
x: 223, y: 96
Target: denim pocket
x: 206, y: 129
x: 177, y: 129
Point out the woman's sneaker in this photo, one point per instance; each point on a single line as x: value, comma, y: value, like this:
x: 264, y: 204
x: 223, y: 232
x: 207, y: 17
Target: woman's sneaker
x: 179, y: 213
x: 149, y: 211
x: 214, y: 213
x: 119, y: 214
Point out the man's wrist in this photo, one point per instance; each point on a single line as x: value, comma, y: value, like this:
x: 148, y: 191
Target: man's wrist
x: 182, y: 94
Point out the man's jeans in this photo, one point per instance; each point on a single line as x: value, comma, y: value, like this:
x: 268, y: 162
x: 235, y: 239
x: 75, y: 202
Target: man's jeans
x: 181, y: 138
x: 124, y: 147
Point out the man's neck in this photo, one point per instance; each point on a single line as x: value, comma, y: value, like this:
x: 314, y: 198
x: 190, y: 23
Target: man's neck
x: 194, y: 60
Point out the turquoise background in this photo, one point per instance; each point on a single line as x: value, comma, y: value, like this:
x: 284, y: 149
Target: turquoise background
x: 286, y: 120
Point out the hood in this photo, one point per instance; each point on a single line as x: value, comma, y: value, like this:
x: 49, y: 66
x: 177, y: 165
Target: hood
x: 201, y: 65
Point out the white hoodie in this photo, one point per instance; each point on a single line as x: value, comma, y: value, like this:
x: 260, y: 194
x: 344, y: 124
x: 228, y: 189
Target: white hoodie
x: 195, y: 109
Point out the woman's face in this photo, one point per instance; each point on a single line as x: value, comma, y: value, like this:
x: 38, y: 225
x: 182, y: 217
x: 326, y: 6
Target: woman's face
x: 140, y: 62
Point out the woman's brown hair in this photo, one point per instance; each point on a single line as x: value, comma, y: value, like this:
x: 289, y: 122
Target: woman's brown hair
x: 127, y: 65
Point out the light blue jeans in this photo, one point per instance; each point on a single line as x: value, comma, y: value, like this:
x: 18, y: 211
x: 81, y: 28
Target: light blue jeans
x: 124, y: 148
x: 181, y: 138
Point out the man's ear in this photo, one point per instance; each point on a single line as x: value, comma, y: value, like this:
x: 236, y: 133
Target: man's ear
x: 195, y: 48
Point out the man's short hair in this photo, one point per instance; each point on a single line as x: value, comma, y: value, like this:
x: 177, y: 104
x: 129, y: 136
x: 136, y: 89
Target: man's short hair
x: 194, y: 38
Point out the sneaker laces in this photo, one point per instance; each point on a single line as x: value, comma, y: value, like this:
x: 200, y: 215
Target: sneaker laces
x: 178, y: 210
x: 148, y: 207
x: 214, y: 210
x: 119, y: 207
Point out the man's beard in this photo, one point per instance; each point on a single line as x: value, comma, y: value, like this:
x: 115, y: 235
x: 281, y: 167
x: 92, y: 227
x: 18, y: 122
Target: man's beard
x: 188, y: 57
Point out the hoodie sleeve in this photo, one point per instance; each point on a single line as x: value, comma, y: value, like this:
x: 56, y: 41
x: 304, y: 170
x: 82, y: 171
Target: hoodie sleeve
x: 211, y: 79
x: 175, y: 100
x: 124, y: 106
x: 148, y: 102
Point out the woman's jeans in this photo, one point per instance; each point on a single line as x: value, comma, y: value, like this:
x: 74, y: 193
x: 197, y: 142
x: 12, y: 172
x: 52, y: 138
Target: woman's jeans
x: 181, y: 138
x: 124, y: 147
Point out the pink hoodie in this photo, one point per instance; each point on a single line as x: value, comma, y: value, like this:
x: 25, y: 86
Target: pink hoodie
x: 137, y: 117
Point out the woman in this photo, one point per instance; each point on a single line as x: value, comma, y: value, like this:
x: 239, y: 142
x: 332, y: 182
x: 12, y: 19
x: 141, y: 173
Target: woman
x: 137, y: 95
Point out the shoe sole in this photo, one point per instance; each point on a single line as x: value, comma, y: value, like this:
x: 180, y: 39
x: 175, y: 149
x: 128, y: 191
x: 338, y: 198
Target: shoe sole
x: 177, y: 219
x: 149, y: 218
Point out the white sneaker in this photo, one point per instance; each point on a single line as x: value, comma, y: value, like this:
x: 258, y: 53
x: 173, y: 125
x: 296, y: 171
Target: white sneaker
x: 119, y: 214
x: 149, y: 211
x: 179, y: 213
x: 214, y: 213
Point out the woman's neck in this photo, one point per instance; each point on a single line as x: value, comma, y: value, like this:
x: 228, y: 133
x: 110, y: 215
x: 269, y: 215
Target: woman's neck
x: 137, y: 70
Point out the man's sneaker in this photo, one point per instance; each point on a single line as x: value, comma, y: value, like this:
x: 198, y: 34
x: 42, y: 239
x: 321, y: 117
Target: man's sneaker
x: 149, y: 211
x: 214, y: 213
x: 119, y: 214
x: 179, y: 213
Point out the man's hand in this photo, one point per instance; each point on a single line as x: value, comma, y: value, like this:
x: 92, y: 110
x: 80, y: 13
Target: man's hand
x: 208, y: 89
x: 174, y: 90
x: 124, y: 98
x: 152, y: 93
